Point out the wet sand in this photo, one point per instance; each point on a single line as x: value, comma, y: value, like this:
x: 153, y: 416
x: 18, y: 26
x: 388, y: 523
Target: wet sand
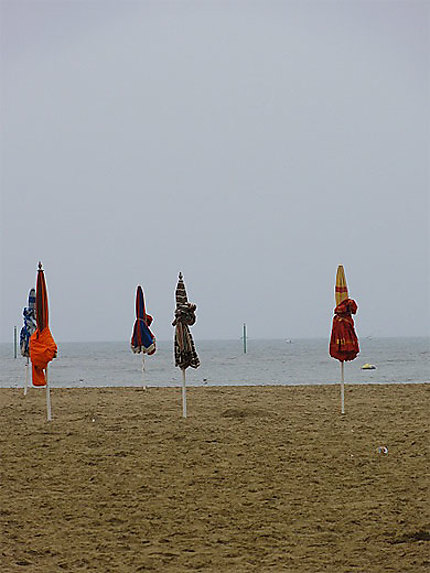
x: 255, y: 479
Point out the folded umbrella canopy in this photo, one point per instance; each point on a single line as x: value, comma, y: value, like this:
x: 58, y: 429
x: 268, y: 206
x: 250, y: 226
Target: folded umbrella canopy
x: 29, y: 324
x: 343, y: 342
x: 341, y: 288
x: 185, y: 316
x: 142, y: 339
x: 26, y: 332
x: 42, y: 345
x: 184, y: 349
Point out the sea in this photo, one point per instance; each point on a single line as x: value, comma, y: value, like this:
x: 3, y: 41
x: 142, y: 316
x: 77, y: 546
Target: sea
x: 225, y: 363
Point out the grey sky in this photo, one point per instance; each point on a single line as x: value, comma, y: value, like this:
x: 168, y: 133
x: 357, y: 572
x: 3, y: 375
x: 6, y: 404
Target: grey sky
x: 253, y: 145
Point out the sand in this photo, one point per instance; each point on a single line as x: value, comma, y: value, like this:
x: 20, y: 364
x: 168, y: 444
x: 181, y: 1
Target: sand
x: 255, y: 479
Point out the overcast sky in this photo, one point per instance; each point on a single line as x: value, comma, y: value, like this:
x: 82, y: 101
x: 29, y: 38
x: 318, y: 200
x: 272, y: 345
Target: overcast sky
x: 252, y: 145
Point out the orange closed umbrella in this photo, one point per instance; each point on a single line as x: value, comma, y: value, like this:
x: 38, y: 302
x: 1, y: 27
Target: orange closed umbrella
x: 343, y: 342
x: 42, y: 345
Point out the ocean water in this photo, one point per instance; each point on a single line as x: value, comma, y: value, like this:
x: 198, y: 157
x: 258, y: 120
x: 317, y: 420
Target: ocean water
x: 267, y: 362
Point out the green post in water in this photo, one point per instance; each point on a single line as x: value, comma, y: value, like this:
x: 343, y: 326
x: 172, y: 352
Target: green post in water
x: 15, y: 348
x: 244, y: 338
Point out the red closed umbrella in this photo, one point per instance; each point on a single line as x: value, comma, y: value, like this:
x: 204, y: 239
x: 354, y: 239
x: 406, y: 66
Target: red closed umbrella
x: 343, y: 342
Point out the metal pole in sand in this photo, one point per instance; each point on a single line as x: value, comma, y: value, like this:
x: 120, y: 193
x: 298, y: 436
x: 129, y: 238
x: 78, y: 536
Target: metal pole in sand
x: 48, y: 398
x: 27, y: 366
x: 342, y: 387
x: 143, y: 371
x: 184, y: 395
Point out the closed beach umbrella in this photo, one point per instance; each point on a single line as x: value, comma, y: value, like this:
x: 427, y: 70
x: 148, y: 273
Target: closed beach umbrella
x: 42, y: 345
x: 142, y: 339
x: 184, y: 349
x: 29, y: 324
x: 343, y: 342
x: 27, y: 330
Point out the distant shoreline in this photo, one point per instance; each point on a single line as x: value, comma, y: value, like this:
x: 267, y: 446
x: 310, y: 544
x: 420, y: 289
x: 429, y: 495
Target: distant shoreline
x: 203, y: 386
x: 237, y: 340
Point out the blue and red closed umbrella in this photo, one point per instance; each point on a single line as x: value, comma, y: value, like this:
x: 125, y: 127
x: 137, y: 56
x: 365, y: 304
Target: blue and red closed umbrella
x: 142, y: 339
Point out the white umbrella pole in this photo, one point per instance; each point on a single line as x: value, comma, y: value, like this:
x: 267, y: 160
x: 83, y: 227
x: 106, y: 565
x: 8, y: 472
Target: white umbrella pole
x: 184, y: 395
x: 26, y: 376
x: 143, y: 372
x: 48, y: 398
x: 342, y: 387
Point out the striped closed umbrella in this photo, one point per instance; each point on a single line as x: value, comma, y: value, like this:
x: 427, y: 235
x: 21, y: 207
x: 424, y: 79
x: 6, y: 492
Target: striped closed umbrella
x: 28, y: 313
x: 343, y: 342
x: 42, y: 345
x: 184, y: 349
x: 27, y: 330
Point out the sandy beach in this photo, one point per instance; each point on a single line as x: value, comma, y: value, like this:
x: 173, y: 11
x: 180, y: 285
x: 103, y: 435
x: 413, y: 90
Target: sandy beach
x: 255, y: 479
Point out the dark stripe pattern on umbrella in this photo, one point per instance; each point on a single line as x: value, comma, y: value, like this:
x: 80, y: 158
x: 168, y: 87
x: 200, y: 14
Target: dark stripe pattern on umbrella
x: 29, y: 324
x: 142, y: 339
x: 185, y: 316
x: 42, y: 345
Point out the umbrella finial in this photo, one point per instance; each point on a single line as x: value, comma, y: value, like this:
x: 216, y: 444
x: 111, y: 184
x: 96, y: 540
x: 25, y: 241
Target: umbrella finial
x: 180, y: 275
x: 40, y: 266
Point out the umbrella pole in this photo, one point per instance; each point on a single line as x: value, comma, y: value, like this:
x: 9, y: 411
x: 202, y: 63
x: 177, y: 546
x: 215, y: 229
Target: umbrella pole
x: 184, y: 395
x: 48, y: 398
x: 26, y: 376
x: 342, y: 387
x: 143, y: 372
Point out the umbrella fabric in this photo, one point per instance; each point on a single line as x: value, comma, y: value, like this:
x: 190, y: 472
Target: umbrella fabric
x: 142, y: 339
x: 42, y: 345
x: 185, y: 352
x: 42, y: 350
x: 29, y: 324
x: 343, y: 342
x: 42, y: 309
x: 341, y: 289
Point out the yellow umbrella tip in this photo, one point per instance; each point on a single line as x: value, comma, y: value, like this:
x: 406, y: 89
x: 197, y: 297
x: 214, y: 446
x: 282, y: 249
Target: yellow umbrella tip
x: 341, y: 289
